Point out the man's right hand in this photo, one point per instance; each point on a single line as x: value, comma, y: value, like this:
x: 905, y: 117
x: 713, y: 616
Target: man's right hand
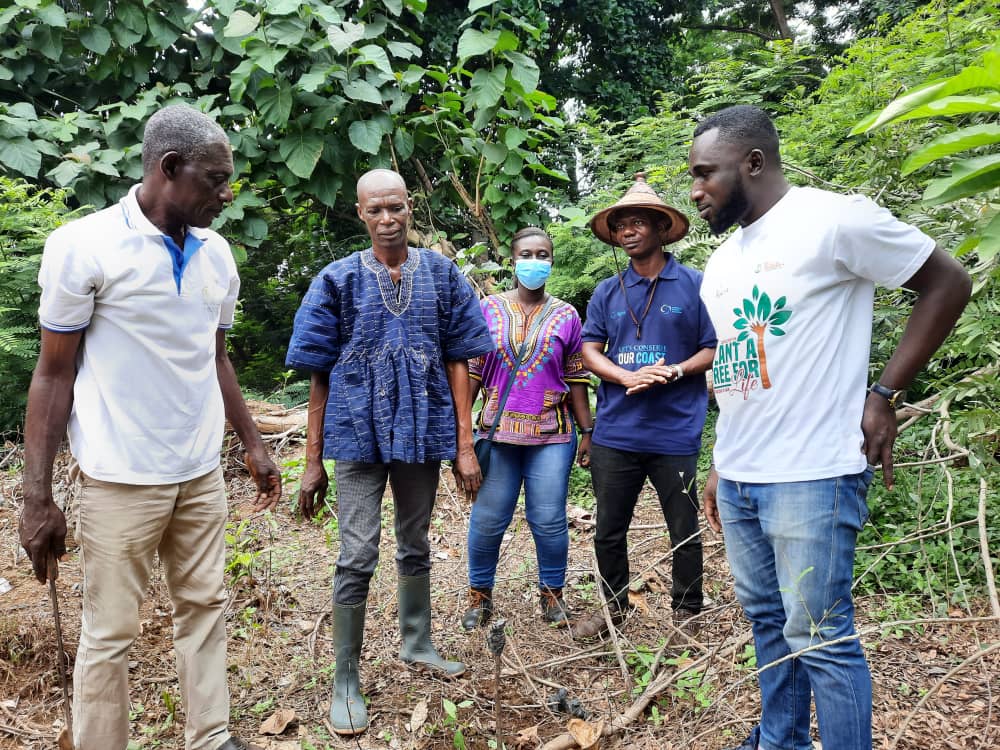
x: 708, y: 497
x: 42, y: 529
x: 312, y: 490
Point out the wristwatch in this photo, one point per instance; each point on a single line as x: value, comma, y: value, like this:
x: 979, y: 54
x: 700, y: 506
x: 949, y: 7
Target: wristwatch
x: 895, y: 398
x: 679, y: 370
x: 584, y: 430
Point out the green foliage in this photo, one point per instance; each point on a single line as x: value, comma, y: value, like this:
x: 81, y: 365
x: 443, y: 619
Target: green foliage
x: 312, y: 93
x: 27, y: 216
x: 976, y: 175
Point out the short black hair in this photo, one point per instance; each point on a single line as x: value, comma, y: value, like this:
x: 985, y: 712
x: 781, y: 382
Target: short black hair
x: 744, y: 124
x: 529, y: 232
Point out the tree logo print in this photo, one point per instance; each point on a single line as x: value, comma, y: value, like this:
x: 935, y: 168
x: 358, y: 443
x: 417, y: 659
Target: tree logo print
x: 759, y: 316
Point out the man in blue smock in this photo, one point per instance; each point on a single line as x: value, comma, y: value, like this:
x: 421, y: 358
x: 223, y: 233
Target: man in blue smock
x: 386, y: 333
x: 649, y: 339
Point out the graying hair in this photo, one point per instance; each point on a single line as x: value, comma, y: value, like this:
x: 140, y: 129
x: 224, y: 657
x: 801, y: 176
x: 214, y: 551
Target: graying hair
x: 179, y: 128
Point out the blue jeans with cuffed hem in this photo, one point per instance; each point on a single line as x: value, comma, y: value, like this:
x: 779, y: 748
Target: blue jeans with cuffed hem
x: 544, y: 470
x: 791, y: 550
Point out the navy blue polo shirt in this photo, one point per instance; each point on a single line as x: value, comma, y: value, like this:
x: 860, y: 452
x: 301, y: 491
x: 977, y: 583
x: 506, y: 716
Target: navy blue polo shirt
x: 666, y: 419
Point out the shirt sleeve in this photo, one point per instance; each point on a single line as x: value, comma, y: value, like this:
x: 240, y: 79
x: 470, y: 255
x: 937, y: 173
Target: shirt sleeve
x: 227, y: 313
x: 573, y: 369
x: 69, y: 276
x: 873, y: 244
x: 315, y: 343
x: 595, y: 327
x: 707, y: 338
x: 464, y: 333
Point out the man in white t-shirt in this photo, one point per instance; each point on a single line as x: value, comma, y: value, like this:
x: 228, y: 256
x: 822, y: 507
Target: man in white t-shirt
x: 136, y: 300
x: 790, y: 294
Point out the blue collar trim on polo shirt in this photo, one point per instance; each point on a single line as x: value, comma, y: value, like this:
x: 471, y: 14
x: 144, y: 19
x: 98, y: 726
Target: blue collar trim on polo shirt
x: 180, y: 257
x: 669, y: 271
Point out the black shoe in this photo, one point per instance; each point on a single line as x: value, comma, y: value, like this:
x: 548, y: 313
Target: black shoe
x: 750, y: 743
x: 480, y: 609
x: 553, y: 607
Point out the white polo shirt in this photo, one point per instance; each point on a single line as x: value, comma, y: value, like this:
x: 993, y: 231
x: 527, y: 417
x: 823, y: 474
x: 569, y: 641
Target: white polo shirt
x: 147, y: 407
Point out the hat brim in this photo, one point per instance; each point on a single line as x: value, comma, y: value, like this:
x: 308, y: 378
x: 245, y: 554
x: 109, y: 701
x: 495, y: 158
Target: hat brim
x: 679, y: 224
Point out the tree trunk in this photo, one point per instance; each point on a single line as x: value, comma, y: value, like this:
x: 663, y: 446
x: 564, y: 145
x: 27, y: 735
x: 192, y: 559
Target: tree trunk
x: 778, y: 8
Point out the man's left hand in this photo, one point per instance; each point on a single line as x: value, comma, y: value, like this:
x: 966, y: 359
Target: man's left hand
x: 465, y: 467
x: 878, y: 423
x: 267, y: 478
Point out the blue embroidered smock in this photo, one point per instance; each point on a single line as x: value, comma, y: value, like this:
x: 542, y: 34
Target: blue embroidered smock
x: 385, y: 347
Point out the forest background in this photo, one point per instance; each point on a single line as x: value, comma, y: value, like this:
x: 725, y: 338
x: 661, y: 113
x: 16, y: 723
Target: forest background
x: 506, y: 113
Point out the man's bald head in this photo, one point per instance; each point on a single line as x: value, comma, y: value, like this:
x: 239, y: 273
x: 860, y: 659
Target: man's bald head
x: 378, y: 180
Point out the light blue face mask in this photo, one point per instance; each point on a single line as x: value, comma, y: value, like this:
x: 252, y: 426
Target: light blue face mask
x: 532, y: 273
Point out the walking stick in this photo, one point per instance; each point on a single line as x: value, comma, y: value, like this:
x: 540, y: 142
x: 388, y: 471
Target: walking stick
x: 66, y: 735
x: 496, y: 640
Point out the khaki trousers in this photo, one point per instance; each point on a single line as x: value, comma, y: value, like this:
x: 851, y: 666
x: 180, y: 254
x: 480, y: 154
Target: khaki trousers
x: 120, y: 528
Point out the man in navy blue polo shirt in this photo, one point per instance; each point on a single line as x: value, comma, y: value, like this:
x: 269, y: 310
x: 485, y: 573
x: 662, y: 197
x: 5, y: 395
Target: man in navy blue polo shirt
x: 649, y: 338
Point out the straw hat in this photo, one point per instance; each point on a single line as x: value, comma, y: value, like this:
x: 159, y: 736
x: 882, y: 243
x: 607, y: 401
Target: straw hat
x: 640, y: 195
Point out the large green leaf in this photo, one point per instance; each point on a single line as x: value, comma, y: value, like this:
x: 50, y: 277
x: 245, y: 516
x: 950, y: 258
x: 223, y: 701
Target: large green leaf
x: 301, y: 151
x: 968, y: 177
x: 495, y: 153
x: 362, y: 91
x: 395, y: 7
x: 403, y: 143
x: 52, y: 15
x: 374, y: 55
x: 989, y: 241
x: 241, y: 24
x: 524, y: 70
x: 163, y: 32
x: 973, y: 77
x: 487, y: 87
x: 21, y: 155
x: 132, y: 17
x: 344, y: 36
x: 366, y: 135
x: 473, y: 43
x: 404, y: 50
x: 239, y: 78
x: 954, y: 105
x: 952, y: 143
x: 265, y: 56
x: 275, y: 105
x: 313, y: 79
x: 96, y: 38
x: 282, y: 7
x: 475, y: 5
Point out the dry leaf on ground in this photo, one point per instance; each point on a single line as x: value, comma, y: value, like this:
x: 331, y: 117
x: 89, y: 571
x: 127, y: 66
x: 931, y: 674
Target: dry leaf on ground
x: 586, y: 735
x: 278, y: 722
x: 418, y: 717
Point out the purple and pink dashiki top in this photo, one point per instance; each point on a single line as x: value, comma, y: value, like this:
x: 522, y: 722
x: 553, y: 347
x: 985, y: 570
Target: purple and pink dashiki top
x: 537, y: 411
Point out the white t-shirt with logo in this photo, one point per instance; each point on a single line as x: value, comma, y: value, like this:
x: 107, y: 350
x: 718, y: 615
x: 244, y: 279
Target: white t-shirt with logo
x: 791, y: 299
x: 147, y: 407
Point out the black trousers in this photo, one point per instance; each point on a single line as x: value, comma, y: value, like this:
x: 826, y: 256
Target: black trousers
x: 618, y: 477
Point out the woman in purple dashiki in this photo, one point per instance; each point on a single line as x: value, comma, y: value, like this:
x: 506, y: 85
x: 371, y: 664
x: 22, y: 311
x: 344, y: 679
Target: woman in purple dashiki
x: 535, y: 440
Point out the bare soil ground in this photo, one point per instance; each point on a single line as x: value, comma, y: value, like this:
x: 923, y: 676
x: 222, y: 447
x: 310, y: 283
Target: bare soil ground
x: 931, y: 691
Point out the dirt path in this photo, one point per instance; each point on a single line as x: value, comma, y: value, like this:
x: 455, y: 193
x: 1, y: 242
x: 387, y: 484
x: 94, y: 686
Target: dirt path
x: 280, y: 649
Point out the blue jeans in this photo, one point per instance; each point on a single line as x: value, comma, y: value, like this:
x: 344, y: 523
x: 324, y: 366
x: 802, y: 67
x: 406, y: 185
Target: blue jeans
x: 791, y: 550
x: 544, y: 469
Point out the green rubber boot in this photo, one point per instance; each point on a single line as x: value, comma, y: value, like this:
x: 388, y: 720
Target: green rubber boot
x: 415, y: 627
x: 348, y: 715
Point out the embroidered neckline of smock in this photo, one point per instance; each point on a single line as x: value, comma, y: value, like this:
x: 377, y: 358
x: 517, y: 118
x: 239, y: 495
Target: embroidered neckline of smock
x: 396, y: 299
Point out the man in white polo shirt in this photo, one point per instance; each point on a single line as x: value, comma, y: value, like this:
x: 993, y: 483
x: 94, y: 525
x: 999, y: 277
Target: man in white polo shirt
x: 135, y: 303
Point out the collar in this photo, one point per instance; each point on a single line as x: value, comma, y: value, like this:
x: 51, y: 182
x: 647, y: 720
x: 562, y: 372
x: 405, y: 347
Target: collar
x: 136, y: 220
x: 668, y: 272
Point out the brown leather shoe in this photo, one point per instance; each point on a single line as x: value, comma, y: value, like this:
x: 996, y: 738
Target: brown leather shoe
x: 553, y: 607
x: 595, y: 625
x: 480, y: 609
